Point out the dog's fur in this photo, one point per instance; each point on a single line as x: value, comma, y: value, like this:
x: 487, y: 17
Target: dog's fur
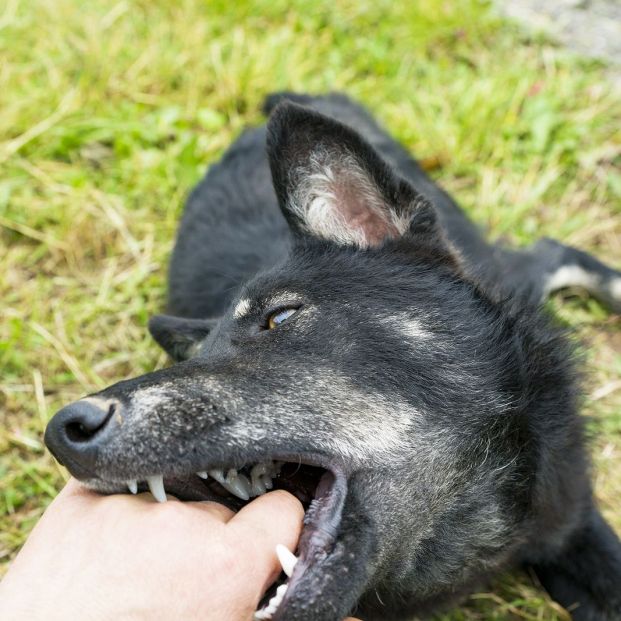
x: 418, y: 361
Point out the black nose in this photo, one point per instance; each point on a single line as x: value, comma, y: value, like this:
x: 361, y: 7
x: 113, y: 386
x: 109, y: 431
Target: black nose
x: 75, y: 433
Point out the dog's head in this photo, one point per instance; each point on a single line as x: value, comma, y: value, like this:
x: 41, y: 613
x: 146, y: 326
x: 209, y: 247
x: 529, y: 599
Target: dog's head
x: 365, y: 374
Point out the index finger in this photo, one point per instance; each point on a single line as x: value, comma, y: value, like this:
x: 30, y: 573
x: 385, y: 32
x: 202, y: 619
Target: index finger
x: 272, y: 519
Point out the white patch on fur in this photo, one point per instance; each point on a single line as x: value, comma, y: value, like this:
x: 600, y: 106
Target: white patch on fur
x: 315, y: 200
x: 615, y: 288
x: 194, y: 349
x: 571, y: 276
x: 346, y: 421
x: 372, y: 422
x: 411, y: 328
x: 242, y: 308
x: 325, y: 411
x: 283, y: 299
x: 152, y: 398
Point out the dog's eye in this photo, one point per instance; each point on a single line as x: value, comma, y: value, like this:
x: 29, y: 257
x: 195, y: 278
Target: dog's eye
x: 275, y: 319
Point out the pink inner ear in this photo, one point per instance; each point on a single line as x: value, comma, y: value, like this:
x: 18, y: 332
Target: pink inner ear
x: 362, y: 208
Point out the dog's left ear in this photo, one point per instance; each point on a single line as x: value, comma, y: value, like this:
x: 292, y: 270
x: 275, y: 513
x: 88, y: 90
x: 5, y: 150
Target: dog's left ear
x: 332, y: 184
x: 178, y: 336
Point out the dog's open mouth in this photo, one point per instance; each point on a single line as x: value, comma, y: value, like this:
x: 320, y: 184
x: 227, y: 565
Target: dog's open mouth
x: 320, y: 488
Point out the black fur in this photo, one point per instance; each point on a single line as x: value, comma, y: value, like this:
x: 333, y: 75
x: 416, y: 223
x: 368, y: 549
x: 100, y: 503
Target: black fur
x: 418, y: 363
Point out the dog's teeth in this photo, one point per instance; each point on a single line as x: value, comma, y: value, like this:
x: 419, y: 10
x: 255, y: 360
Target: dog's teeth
x: 156, y: 485
x: 277, y: 599
x: 259, y: 469
x: 261, y: 476
x: 236, y: 489
x: 231, y: 482
x: 256, y: 475
x: 273, y: 604
x: 133, y: 486
x: 287, y: 559
x: 235, y: 486
x: 203, y: 474
x: 218, y: 475
x: 245, y: 481
x: 258, y: 487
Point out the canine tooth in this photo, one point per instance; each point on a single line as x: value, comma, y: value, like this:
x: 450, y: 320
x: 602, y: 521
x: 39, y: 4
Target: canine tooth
x: 133, y: 486
x: 262, y: 615
x: 156, y: 485
x: 218, y: 475
x: 287, y: 559
x: 203, y: 474
x: 267, y: 481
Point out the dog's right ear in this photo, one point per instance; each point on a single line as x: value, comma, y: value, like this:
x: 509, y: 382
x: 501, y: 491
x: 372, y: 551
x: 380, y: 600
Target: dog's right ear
x: 178, y: 336
x: 332, y: 184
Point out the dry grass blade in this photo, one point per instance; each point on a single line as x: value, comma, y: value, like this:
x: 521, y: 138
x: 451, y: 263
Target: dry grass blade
x: 67, y: 104
x: 66, y: 357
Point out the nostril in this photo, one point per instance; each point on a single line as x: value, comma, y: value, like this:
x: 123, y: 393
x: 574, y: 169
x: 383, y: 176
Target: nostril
x: 88, y: 421
x: 77, y: 432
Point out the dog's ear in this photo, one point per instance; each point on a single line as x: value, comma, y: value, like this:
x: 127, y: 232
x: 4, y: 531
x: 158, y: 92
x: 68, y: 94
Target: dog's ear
x: 332, y: 184
x: 178, y: 336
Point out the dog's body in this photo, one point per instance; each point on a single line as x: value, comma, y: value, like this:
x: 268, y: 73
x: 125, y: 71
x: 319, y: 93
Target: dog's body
x: 233, y: 228
x: 412, y: 363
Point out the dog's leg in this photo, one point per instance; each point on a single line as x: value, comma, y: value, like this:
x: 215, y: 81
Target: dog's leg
x: 586, y: 576
x: 556, y: 266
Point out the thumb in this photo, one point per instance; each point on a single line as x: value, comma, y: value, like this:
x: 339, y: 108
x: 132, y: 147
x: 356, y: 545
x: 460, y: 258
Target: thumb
x: 262, y: 524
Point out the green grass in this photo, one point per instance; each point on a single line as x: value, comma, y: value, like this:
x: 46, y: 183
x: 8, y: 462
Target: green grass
x: 112, y: 110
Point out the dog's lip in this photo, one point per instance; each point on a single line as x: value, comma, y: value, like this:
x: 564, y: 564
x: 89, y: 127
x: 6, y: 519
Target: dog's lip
x: 321, y: 523
x: 319, y: 535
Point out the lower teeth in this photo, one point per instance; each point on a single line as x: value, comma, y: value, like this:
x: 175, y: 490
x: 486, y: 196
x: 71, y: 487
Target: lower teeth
x: 243, y: 487
x: 288, y: 561
x: 268, y: 611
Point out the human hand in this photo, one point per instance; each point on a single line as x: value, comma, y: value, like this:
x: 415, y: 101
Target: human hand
x: 93, y: 558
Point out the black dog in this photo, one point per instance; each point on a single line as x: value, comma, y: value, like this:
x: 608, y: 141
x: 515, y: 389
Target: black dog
x: 372, y: 354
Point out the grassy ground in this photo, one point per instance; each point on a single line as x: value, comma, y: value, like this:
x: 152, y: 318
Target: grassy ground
x: 112, y: 110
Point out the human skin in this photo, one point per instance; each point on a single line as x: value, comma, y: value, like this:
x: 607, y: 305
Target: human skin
x: 95, y: 558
